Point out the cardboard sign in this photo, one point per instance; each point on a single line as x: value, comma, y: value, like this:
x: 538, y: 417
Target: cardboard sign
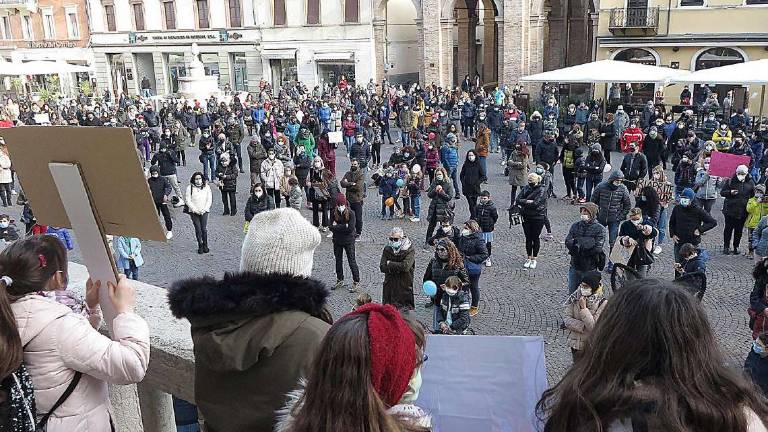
x: 110, y: 168
x: 724, y: 164
x: 621, y: 254
x: 335, y: 137
x: 665, y: 190
x: 42, y: 119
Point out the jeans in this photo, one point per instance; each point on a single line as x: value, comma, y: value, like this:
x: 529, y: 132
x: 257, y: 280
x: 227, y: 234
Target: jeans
x: 574, y: 278
x: 209, y: 163
x: 317, y: 207
x: 613, y: 232
x: 188, y: 428
x: 132, y: 272
x: 162, y: 209
x: 494, y: 142
x: 733, y: 227
x: 239, y: 153
x: 406, y: 137
x: 532, y: 230
x: 484, y: 164
x: 706, y: 204
x: 5, y: 194
x: 145, y: 92
x: 358, y: 209
x: 662, y: 225
x: 474, y: 288
x: 338, y: 253
x: 415, y: 205
x: 384, y: 207
x: 348, y: 140
x: 452, y: 175
x: 275, y: 193
x: 200, y: 222
x: 229, y: 200
x: 175, y: 186
x: 590, y: 184
x: 580, y: 182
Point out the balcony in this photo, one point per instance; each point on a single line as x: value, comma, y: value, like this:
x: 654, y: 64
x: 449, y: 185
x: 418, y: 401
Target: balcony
x: 29, y: 6
x: 633, y: 21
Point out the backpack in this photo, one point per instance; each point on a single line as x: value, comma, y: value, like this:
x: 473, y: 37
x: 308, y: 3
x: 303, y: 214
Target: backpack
x: 17, y: 402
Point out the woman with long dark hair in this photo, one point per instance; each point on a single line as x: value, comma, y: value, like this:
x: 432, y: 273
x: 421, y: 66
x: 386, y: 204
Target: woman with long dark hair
x: 198, y: 199
x: 471, y: 245
x: 652, y: 363
x: 370, y: 364
x: 343, y: 230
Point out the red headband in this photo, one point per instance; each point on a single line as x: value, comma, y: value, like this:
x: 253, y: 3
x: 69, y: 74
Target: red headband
x: 393, y: 351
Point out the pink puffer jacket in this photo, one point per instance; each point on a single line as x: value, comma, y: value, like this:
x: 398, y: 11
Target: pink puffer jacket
x: 59, y: 342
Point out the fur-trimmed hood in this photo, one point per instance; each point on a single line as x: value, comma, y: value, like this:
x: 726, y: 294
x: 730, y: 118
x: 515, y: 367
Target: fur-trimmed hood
x: 246, y: 294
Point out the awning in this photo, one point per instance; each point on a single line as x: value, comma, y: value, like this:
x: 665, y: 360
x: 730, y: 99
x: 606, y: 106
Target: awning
x: 752, y: 72
x: 608, y: 71
x: 337, y: 56
x: 279, y: 54
x: 40, y: 67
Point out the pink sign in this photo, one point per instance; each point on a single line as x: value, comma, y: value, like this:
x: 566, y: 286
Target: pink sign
x: 724, y: 164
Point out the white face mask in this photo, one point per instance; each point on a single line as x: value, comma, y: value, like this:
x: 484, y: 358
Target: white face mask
x: 439, y: 177
x: 636, y: 222
x: 318, y: 165
x: 198, y: 182
x: 685, y: 202
x: 586, y: 292
x: 258, y: 194
x: 414, y: 387
x: 471, y: 158
x: 585, y: 218
x: 447, y: 229
x: 341, y: 208
x: 741, y: 177
x: 465, y: 232
x: 451, y: 292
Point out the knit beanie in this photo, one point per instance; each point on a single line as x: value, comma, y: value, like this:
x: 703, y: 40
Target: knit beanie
x: 341, y: 199
x: 392, y: 351
x: 279, y: 241
x: 688, y: 193
x: 592, y: 279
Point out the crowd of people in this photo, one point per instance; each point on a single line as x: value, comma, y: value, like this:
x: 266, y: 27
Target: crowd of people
x: 292, y: 135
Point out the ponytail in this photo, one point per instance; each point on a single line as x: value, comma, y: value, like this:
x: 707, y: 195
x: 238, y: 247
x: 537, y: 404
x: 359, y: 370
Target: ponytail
x: 10, y: 341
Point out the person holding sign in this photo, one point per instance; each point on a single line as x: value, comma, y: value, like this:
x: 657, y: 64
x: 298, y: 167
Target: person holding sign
x: 737, y: 191
x: 636, y: 236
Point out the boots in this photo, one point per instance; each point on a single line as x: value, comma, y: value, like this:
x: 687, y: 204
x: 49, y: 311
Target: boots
x: 200, y: 249
x: 205, y: 242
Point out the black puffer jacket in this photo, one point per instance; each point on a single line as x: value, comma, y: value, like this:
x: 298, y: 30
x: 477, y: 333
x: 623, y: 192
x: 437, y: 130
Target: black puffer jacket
x: 585, y: 242
x: 486, y: 216
x: 472, y: 174
x: 440, y: 203
x: 472, y: 248
x: 438, y: 272
x: 160, y: 188
x: 613, y: 201
x: 343, y: 231
x: 228, y: 176
x: 634, y: 166
x: 735, y: 206
x: 684, y: 221
x: 547, y: 152
x: 536, y: 210
x: 256, y: 205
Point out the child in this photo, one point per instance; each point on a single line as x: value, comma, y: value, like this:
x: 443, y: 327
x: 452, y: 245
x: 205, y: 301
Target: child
x: 757, y: 207
x: 388, y: 189
x: 403, y: 193
x: 580, y: 168
x: 297, y: 195
x: 285, y: 185
x: 8, y: 231
x: 415, y: 185
x: 63, y: 235
x: 129, y: 257
x: 453, y: 314
x: 487, y: 216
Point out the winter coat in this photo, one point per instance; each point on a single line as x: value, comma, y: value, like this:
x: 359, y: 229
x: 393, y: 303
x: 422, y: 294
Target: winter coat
x: 271, y: 172
x: 198, y: 199
x: 755, y: 212
x: 388, y: 187
x: 256, y: 155
x: 631, y: 135
x: 165, y: 160
x: 354, y: 193
x: 594, y: 164
x: 580, y: 321
x: 160, y: 188
x: 227, y: 175
x: 634, y: 166
x: 471, y: 176
x: 613, y: 202
x: 518, y: 166
x: 256, y: 205
x: 608, y: 136
x: 760, y: 237
x: 537, y: 209
x: 433, y: 158
x: 705, y: 185
x: 535, y: 131
x: 440, y: 201
x: 450, y: 156
x: 360, y: 152
x: 474, y: 251
x: 343, y: 231
x: 585, y: 241
x: 642, y: 253
x: 126, y: 246
x: 486, y: 216
x: 5, y: 169
x: 58, y: 342
x: 483, y: 142
x: 458, y: 307
x: 320, y: 179
x: 254, y: 336
x: 653, y: 148
x: 547, y: 152
x: 735, y: 206
x: 683, y: 221
x: 722, y: 139
x: 398, y: 268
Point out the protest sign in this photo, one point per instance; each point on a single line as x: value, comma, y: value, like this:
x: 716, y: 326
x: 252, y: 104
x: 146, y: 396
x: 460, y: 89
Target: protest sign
x: 724, y: 164
x: 665, y: 190
x: 335, y: 137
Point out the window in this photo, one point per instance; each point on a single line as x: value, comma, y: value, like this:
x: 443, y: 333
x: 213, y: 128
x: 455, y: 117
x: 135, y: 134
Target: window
x: 757, y: 2
x: 279, y: 13
x: 717, y: 57
x: 109, y: 12
x: 138, y: 16
x: 73, y: 26
x: 352, y: 11
x: 235, y: 17
x: 684, y: 3
x: 26, y: 27
x: 169, y: 12
x: 313, y: 11
x: 49, y: 25
x: 202, y: 14
x: 5, y: 28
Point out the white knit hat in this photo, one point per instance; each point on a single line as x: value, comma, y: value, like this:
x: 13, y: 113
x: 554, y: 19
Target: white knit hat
x: 279, y: 241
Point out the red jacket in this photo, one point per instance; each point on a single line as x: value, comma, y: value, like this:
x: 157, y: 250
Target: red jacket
x: 349, y: 127
x: 433, y: 158
x: 326, y: 149
x: 631, y: 135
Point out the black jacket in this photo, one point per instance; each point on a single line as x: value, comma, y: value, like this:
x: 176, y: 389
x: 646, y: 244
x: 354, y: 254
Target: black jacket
x: 255, y: 205
x: 441, y: 201
x: 735, y: 206
x: 166, y: 161
x: 634, y: 166
x: 653, y: 148
x: 472, y: 248
x: 585, y: 242
x: 613, y: 201
x: 537, y: 210
x: 361, y: 152
x: 486, y: 216
x: 685, y: 220
x: 472, y: 174
x: 160, y: 188
x: 228, y: 176
x: 547, y: 152
x: 343, y: 232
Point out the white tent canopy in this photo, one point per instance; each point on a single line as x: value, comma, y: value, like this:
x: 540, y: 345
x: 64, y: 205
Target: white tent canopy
x: 753, y: 72
x: 608, y: 71
x: 40, y: 67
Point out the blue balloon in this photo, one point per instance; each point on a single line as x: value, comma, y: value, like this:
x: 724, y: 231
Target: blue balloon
x: 430, y: 288
x: 400, y: 183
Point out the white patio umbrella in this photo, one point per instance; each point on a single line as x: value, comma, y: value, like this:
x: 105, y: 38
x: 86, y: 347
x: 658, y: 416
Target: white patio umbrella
x: 8, y: 68
x: 608, y: 71
x: 41, y: 67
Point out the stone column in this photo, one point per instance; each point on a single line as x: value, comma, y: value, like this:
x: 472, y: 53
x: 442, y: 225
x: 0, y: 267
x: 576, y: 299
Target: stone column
x: 463, y: 56
x: 472, y: 44
x: 593, y: 23
x: 125, y: 408
x: 254, y: 67
x: 489, y: 48
x: 379, y: 49
x: 156, y: 409
x: 429, y: 36
x: 161, y: 81
x: 225, y: 70
x: 104, y: 73
x: 513, y: 40
x: 446, y: 31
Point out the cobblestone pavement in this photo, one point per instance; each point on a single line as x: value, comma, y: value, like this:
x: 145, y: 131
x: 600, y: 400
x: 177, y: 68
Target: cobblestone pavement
x: 514, y: 300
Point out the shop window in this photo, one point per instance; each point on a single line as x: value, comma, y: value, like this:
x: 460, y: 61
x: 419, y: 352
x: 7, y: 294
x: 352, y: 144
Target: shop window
x: 169, y: 12
x: 641, y: 92
x: 313, y: 11
x: 352, y: 11
x: 109, y: 13
x: 138, y: 16
x: 716, y: 57
x: 279, y: 12
x: 239, y: 71
x: 235, y: 16
x: 202, y: 14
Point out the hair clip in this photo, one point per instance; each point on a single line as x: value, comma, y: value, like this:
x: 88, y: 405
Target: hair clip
x: 7, y: 279
x: 43, y: 261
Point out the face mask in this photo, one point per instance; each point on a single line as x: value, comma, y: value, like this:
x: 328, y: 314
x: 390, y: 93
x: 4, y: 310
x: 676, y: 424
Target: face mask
x: 258, y: 194
x: 406, y: 155
x: 167, y: 134
x: 759, y: 196
x: 353, y: 168
x: 447, y: 229
x: 359, y: 140
x: 585, y: 218
x: 341, y: 208
x: 465, y: 232
x: 758, y: 348
x: 162, y: 150
x: 439, y: 177
x: 617, y: 183
x: 471, y: 158
x: 318, y: 165
x: 636, y: 222
x: 206, y: 135
x: 155, y: 175
x: 711, y: 118
x: 451, y: 292
x: 684, y: 161
x: 585, y: 292
x: 4, y: 224
x: 723, y: 128
x: 539, y: 171
x: 706, y: 166
x: 653, y: 134
x: 685, y: 202
x: 395, y: 244
x: 741, y: 177
x: 657, y: 176
x: 271, y: 156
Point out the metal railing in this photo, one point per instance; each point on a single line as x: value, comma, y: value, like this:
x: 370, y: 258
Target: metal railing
x: 634, y: 18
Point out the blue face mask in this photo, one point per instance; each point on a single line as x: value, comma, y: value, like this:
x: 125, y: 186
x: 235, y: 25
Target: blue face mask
x: 757, y: 348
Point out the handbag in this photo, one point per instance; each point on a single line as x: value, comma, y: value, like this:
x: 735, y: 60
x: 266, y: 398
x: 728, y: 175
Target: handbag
x: 42, y: 425
x: 320, y: 194
x: 515, y: 218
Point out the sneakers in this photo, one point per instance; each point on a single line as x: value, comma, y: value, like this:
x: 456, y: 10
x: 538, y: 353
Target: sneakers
x: 726, y: 251
x: 415, y: 219
x: 488, y: 262
x: 473, y: 311
x: 533, y: 264
x: 358, y: 239
x: 657, y: 250
x: 354, y: 287
x: 179, y: 204
x: 339, y: 284
x: 169, y: 235
x: 329, y: 235
x: 527, y: 264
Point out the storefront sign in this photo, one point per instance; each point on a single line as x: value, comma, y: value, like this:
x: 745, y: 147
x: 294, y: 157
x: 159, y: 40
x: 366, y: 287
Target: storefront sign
x: 178, y: 37
x: 52, y: 44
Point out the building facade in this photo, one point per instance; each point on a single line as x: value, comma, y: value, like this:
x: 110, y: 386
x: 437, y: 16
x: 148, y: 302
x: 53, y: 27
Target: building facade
x: 685, y: 34
x: 49, y: 30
